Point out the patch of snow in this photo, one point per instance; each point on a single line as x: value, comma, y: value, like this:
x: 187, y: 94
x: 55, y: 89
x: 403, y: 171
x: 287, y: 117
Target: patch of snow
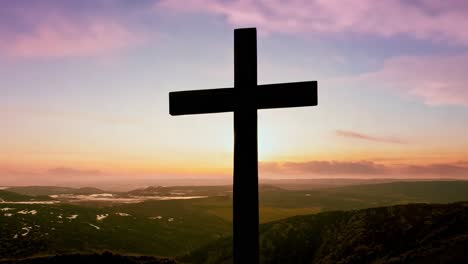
x: 16, y: 236
x: 60, y: 216
x: 27, y: 229
x: 4, y: 188
x: 72, y: 217
x: 170, y: 219
x: 308, y: 194
x: 8, y: 215
x: 25, y: 212
x: 55, y: 196
x: 122, y: 214
x: 7, y: 209
x: 97, y: 227
x: 101, y: 195
x: 156, y: 217
x: 101, y: 217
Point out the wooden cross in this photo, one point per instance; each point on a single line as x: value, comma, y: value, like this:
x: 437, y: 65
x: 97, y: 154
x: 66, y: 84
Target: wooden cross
x: 244, y: 100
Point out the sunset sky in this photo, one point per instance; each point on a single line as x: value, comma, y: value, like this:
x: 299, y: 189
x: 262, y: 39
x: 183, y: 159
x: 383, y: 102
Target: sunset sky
x: 84, y: 88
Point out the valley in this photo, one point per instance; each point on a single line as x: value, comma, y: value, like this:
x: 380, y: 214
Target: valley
x: 175, y: 221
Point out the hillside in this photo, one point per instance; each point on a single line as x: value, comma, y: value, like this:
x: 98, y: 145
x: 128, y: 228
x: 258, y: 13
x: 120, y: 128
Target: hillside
x: 415, y: 233
x: 163, y: 228
x: 7, y: 196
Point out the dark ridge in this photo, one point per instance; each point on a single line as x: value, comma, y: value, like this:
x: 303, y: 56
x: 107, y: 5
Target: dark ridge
x: 414, y: 233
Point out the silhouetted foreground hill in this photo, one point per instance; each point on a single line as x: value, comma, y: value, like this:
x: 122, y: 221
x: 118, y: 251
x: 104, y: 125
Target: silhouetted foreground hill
x: 91, y: 259
x: 415, y: 233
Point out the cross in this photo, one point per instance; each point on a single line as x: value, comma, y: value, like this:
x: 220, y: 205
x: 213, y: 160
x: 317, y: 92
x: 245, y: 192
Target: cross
x: 244, y: 100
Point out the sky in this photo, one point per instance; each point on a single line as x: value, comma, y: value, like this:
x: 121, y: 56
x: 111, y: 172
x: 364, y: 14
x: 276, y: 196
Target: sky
x: 84, y: 88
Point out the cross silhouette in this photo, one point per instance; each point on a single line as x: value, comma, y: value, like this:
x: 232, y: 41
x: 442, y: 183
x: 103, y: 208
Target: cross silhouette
x: 244, y: 100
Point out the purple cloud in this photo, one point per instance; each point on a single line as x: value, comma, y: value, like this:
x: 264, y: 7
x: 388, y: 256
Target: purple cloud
x: 64, y: 29
x: 357, y: 135
x: 425, y: 19
x: 437, y: 80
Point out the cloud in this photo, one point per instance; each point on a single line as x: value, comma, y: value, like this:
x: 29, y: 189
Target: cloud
x: 64, y: 171
x: 364, y: 168
x: 425, y: 19
x: 62, y: 38
x: 437, y: 169
x: 357, y: 135
x: 324, y: 167
x: 54, y: 29
x: 436, y: 80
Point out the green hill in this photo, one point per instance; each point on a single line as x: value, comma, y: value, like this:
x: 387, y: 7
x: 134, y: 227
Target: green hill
x: 415, y: 233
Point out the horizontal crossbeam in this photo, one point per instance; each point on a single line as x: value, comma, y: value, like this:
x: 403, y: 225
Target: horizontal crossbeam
x: 281, y: 95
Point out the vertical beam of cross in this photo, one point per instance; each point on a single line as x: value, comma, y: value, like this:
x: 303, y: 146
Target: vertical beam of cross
x: 245, y: 193
x: 244, y: 100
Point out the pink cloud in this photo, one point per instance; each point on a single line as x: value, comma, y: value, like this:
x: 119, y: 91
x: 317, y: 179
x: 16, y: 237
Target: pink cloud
x: 61, y: 37
x: 357, y: 135
x: 437, y: 80
x: 425, y: 19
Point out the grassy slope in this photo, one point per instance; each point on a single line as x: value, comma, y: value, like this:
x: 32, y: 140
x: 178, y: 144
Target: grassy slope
x: 416, y: 233
x: 137, y: 233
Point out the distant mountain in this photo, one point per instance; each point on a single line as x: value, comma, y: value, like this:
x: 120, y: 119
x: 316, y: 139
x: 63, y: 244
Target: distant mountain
x: 414, y: 233
x: 428, y: 191
x: 106, y: 257
x: 50, y: 190
x: 220, y: 190
x: 182, y: 191
x: 314, y: 184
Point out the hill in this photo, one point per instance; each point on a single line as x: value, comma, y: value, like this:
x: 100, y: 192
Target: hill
x: 415, y: 233
x: 163, y: 228
x: 50, y: 190
x: 7, y: 196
